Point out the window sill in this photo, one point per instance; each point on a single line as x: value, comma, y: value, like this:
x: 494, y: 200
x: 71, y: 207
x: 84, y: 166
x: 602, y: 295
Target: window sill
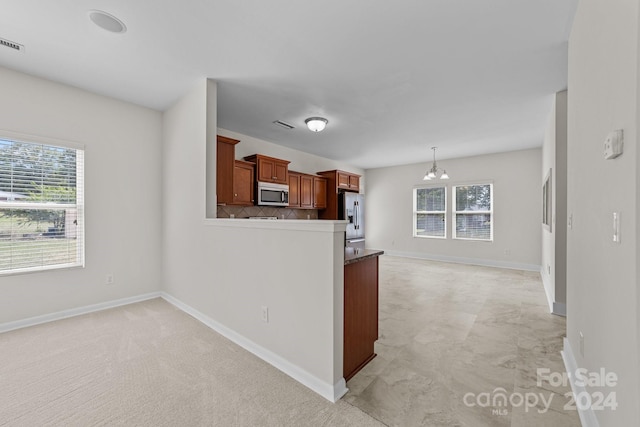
x: 31, y: 270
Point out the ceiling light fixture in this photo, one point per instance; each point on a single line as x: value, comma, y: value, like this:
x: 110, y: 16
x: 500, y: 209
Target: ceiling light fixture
x: 108, y: 22
x: 316, y: 124
x: 432, y: 173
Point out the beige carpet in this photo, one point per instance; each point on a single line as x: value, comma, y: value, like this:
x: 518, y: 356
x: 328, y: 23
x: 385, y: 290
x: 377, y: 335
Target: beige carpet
x: 149, y: 364
x: 447, y: 330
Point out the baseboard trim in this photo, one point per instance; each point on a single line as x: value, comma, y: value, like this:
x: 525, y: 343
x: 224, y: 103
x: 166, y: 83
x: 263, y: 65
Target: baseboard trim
x: 331, y: 392
x: 72, y: 312
x: 587, y: 416
x: 547, y: 288
x: 462, y: 260
x: 559, y: 309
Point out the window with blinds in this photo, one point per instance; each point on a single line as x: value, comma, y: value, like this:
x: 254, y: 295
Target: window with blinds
x: 473, y: 210
x: 41, y: 206
x: 430, y: 212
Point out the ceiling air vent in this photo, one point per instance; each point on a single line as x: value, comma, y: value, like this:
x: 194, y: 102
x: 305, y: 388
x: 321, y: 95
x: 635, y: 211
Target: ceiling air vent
x: 12, y: 45
x: 284, y: 124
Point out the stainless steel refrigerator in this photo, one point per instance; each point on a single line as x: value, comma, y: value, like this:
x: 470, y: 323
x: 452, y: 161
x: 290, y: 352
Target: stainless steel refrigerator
x: 351, y: 208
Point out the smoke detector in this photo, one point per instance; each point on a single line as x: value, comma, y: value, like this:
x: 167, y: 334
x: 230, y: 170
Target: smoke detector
x: 108, y: 22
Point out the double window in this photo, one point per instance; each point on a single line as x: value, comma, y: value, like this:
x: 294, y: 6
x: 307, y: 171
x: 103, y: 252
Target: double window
x: 472, y: 212
x: 41, y: 206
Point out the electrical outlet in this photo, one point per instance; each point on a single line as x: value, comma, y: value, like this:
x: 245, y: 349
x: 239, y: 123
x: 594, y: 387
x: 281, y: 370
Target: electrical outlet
x: 581, y: 344
x: 265, y: 314
x: 108, y: 280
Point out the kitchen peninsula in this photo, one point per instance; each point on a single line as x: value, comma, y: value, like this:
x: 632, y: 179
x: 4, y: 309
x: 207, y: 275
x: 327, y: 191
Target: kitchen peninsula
x: 298, y: 274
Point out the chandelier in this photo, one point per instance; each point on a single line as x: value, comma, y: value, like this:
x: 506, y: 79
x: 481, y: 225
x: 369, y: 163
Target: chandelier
x: 433, y: 172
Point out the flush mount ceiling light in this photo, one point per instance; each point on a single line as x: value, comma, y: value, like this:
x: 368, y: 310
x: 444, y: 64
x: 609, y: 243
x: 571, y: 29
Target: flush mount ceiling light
x: 107, y: 21
x: 316, y: 124
x: 432, y: 173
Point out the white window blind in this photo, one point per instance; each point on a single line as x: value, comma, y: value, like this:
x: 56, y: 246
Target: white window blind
x: 41, y: 206
x: 473, y: 207
x: 430, y: 212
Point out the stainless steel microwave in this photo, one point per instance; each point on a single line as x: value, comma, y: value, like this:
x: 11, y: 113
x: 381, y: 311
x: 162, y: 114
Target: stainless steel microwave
x: 273, y: 194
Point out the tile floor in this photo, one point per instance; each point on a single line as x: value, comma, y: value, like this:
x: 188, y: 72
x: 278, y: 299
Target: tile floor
x: 454, y: 340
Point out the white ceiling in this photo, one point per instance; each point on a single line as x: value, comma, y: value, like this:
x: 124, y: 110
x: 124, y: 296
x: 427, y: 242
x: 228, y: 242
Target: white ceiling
x: 393, y: 78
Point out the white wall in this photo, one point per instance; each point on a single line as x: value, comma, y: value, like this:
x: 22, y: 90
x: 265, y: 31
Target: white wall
x: 122, y: 194
x: 517, y: 210
x: 228, y: 269
x: 602, y: 276
x: 554, y: 241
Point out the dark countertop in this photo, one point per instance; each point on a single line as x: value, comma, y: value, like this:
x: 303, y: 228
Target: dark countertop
x: 352, y: 255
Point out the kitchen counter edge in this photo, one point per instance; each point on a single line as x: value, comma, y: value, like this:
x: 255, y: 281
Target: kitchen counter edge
x: 353, y: 255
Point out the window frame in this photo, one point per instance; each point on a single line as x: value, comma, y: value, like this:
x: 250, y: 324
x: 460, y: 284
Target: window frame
x: 443, y: 213
x: 455, y: 212
x: 78, y: 205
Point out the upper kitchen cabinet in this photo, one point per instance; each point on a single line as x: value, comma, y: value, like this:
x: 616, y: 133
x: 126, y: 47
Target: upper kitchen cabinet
x: 337, y: 180
x: 270, y: 169
x: 294, y: 189
x: 348, y: 181
x: 243, y: 183
x: 307, y: 191
x: 234, y: 178
x: 319, y: 192
x: 225, y: 167
x: 342, y: 180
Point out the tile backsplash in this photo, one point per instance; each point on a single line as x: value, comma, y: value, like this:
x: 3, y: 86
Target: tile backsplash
x: 281, y: 213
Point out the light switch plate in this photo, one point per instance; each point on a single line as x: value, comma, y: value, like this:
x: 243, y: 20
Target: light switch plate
x: 613, y: 144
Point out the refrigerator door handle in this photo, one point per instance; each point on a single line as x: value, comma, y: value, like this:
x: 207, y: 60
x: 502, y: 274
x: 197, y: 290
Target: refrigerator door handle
x: 355, y: 215
x: 356, y: 208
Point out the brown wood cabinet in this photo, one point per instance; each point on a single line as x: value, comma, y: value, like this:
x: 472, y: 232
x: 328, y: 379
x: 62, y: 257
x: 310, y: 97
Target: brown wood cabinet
x: 270, y: 169
x: 225, y: 168
x: 307, y: 191
x: 337, y: 180
x: 294, y: 190
x: 348, y: 181
x: 234, y: 178
x: 243, y: 183
x: 319, y: 192
x: 360, y: 314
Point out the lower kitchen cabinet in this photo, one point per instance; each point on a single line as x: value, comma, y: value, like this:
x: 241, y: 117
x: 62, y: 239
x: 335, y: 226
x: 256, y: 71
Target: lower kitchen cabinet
x: 360, y: 314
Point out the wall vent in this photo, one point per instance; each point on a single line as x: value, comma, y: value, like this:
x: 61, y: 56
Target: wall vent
x: 284, y: 124
x: 11, y: 45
